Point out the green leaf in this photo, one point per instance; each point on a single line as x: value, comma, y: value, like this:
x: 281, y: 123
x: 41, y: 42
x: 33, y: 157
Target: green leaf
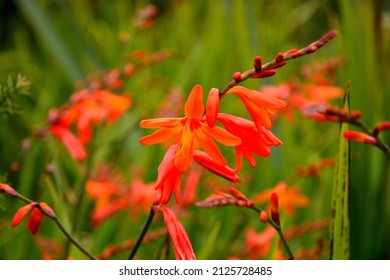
x: 208, y: 248
x: 339, y: 226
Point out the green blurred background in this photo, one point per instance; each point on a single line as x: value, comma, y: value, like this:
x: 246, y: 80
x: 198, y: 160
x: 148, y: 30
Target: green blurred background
x: 57, y: 43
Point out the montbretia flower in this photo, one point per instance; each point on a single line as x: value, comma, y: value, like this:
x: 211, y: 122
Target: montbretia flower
x: 168, y: 179
x: 275, y: 208
x: 7, y: 189
x: 181, y: 243
x: 94, y: 107
x: 260, y: 106
x: 288, y: 197
x: 223, y: 171
x: 60, y: 130
x: 361, y: 137
x: 37, y: 210
x: 189, y: 131
x: 112, y: 195
x: 255, y: 140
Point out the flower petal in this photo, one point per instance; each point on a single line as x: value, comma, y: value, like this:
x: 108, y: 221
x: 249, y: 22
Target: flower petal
x: 160, y: 122
x: 21, y: 213
x: 181, y: 243
x: 194, y: 107
x: 160, y: 135
x: 212, y: 107
x: 35, y: 220
x: 210, y: 147
x: 207, y: 162
x: 221, y: 135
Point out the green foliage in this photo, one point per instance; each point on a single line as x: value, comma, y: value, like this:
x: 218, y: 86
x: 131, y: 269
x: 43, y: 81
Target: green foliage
x: 340, y: 228
x: 16, y: 85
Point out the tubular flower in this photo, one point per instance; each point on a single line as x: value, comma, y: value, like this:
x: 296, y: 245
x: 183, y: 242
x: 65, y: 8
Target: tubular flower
x: 7, y: 189
x: 189, y: 130
x: 60, y: 130
x: 288, y: 197
x: 207, y: 162
x: 260, y: 106
x: 254, y: 141
x: 168, y: 179
x: 112, y: 195
x: 181, y: 243
x: 361, y: 137
x: 94, y: 107
x: 36, y: 215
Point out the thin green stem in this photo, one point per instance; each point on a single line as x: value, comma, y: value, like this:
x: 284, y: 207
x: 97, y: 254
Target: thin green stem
x: 80, y: 195
x: 58, y: 223
x: 71, y: 239
x: 280, y: 233
x: 141, y: 236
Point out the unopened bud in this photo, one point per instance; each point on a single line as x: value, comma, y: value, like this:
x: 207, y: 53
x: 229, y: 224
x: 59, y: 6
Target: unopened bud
x: 237, y: 77
x: 263, y: 216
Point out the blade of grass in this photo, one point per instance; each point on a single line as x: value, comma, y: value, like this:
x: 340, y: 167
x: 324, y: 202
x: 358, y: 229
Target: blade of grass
x: 339, y: 228
x: 44, y: 29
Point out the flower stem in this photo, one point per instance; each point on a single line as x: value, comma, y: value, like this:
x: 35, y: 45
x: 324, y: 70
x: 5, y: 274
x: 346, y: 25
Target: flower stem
x: 72, y: 240
x: 380, y: 144
x: 58, y: 223
x: 286, y: 56
x: 141, y: 236
x: 77, y: 212
x: 280, y: 233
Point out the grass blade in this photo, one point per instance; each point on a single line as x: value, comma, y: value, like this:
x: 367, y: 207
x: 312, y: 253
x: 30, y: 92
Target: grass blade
x: 339, y: 226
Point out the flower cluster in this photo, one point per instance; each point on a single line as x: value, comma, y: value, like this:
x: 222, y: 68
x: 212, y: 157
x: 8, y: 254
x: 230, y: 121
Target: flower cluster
x: 192, y: 137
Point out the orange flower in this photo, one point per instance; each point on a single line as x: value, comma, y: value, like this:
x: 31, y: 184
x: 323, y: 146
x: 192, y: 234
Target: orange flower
x: 70, y: 141
x: 288, y: 197
x: 168, y: 179
x: 112, y: 196
x: 275, y: 208
x: 95, y: 107
x: 191, y: 184
x: 258, y: 245
x: 224, y: 171
x: 59, y: 128
x: 253, y: 140
x: 36, y: 216
x: 260, y: 106
x: 7, y: 189
x: 360, y: 137
x: 189, y: 130
x: 181, y: 243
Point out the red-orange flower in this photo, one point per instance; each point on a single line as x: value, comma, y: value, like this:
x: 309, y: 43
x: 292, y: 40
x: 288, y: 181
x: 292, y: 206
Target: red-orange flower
x: 7, y: 189
x: 361, y: 137
x: 112, y: 195
x: 258, y: 245
x: 95, y: 107
x: 275, y: 208
x: 168, y: 179
x: 181, y: 243
x: 260, y: 106
x: 59, y: 128
x: 207, y: 162
x: 36, y: 216
x: 189, y: 130
x: 288, y: 197
x: 254, y: 141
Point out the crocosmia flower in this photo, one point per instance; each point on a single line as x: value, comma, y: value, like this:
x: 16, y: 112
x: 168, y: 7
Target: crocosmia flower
x: 260, y: 106
x: 36, y: 215
x: 181, y: 243
x: 254, y: 141
x: 189, y: 131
